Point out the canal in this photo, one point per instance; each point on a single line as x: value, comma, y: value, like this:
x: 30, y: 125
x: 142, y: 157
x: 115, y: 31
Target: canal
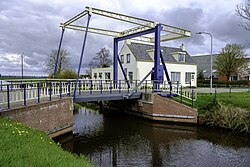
x: 123, y: 140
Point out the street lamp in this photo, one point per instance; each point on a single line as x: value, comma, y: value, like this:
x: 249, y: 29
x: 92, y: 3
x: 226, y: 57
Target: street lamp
x: 22, y: 63
x: 211, y: 61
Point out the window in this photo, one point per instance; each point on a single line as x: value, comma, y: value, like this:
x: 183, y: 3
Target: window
x: 126, y: 71
x: 175, y: 76
x: 95, y: 75
x: 181, y: 57
x: 107, y: 75
x: 188, y: 77
x: 130, y: 76
x: 233, y: 78
x: 100, y: 75
x: 122, y: 59
x: 128, y: 58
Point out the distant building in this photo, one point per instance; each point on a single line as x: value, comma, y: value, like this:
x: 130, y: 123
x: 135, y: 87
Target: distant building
x: 138, y: 60
x: 203, y: 65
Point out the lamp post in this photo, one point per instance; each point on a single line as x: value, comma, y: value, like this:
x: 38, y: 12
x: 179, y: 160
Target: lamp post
x: 22, y: 64
x: 211, y: 61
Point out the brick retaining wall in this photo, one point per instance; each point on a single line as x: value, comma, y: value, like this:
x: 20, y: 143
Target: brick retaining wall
x: 51, y: 116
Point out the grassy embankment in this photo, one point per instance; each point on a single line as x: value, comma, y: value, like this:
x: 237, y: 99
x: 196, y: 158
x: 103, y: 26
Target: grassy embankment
x: 24, y: 146
x: 230, y: 111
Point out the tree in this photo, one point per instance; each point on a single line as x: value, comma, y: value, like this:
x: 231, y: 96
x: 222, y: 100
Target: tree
x: 101, y: 60
x: 63, y: 61
x: 243, y: 11
x: 231, y: 60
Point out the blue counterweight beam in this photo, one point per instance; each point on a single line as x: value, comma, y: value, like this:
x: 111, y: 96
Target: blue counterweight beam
x: 83, y: 46
x: 58, y: 52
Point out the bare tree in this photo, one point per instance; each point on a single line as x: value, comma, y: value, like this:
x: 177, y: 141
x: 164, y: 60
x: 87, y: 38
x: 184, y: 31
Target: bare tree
x: 243, y: 11
x: 63, y: 61
x: 101, y: 60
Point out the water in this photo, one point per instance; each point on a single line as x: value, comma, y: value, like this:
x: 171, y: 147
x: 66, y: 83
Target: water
x: 122, y: 140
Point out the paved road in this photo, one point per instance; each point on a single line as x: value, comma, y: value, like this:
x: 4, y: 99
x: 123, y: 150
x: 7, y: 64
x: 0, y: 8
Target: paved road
x: 219, y: 90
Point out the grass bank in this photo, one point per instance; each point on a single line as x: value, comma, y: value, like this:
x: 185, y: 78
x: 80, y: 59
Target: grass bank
x: 234, y: 99
x: 226, y: 110
x: 24, y: 146
x: 206, y: 102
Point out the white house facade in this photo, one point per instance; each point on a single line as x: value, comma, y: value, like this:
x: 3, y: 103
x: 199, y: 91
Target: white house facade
x: 137, y: 60
x: 102, y: 73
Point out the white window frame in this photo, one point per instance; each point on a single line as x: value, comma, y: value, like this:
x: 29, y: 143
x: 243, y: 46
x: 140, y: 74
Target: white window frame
x: 175, y: 77
x: 128, y: 58
x: 122, y: 59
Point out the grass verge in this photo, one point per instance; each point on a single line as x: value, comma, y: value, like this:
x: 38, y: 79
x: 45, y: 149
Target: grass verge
x: 24, y: 146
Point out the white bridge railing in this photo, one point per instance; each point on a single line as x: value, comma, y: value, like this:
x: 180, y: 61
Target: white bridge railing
x: 19, y: 92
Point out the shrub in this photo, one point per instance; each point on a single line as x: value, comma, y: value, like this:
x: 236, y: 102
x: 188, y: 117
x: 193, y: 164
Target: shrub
x: 232, y: 118
x: 67, y: 74
x: 218, y: 83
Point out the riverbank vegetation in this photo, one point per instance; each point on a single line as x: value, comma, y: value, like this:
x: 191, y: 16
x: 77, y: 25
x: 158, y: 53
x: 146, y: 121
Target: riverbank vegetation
x: 226, y: 110
x: 233, y: 118
x: 24, y: 146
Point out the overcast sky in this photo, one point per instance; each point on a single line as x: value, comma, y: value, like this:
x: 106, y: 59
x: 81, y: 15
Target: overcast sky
x: 31, y: 27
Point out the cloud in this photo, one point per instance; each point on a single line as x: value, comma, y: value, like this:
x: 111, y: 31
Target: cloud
x: 31, y: 27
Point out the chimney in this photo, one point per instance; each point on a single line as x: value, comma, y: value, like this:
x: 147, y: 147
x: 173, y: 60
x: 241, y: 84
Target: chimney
x: 183, y: 48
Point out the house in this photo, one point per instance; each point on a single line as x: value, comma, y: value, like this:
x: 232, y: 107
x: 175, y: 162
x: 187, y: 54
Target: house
x: 203, y: 65
x: 102, y: 73
x: 138, y: 60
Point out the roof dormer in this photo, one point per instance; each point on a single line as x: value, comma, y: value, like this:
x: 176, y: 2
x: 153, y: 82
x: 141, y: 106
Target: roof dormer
x: 151, y: 53
x: 179, y: 56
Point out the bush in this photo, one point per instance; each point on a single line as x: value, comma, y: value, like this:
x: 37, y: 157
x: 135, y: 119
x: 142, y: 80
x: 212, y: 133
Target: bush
x: 232, y: 118
x: 67, y: 74
x: 218, y: 83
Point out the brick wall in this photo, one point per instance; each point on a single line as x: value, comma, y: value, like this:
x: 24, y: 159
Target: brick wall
x: 47, y: 116
x: 166, y: 109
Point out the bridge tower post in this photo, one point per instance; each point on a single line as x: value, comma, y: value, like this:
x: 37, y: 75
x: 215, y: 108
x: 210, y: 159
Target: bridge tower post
x: 58, y: 52
x: 115, y: 65
x: 83, y: 46
x: 158, y: 71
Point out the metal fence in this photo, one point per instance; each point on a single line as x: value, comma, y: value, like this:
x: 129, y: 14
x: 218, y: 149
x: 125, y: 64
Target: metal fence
x: 18, y: 93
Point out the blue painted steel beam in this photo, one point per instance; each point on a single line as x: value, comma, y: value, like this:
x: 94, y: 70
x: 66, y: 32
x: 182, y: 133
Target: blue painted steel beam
x: 58, y: 52
x: 115, y: 58
x: 145, y: 32
x: 157, y: 51
x: 166, y: 71
x: 83, y: 46
x: 123, y: 72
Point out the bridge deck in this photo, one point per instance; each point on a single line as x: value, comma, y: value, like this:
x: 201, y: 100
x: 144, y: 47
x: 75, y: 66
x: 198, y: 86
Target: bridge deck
x: 105, y: 97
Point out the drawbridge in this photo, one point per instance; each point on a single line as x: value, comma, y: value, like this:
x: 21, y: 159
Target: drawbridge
x: 143, y: 30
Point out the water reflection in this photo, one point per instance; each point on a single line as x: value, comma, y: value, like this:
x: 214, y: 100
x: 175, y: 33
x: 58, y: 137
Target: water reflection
x: 121, y: 140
